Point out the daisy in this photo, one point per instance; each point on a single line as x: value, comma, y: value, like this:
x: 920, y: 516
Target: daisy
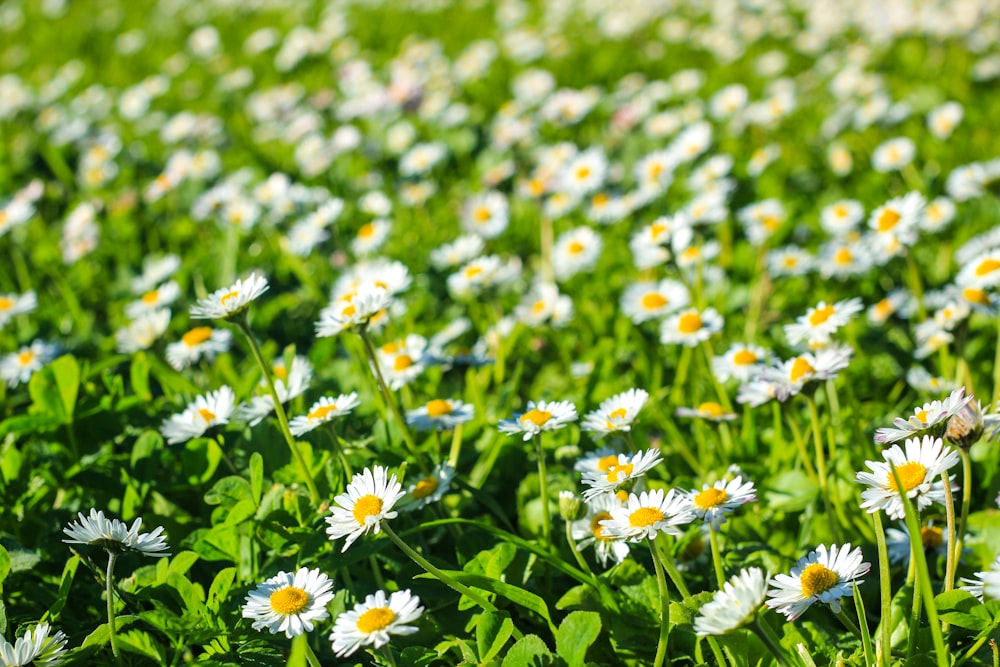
x: 114, y: 536
x: 575, y: 251
x: 402, y: 361
x: 922, y: 381
x: 893, y: 155
x: 707, y: 410
x: 735, y: 605
x: 430, y: 488
x: 588, y: 531
x: 930, y: 418
x: 844, y: 258
x: 789, y: 261
x: 371, y: 236
x: 141, y: 333
x: 322, y: 411
x: 986, y: 585
x: 739, y: 362
x: 649, y: 300
x: 789, y: 377
x: 842, y: 217
x: 289, y: 382
x: 615, y: 414
x: 230, y: 302
x: 541, y: 416
x: 822, y: 321
x: 16, y: 304
x: 938, y: 215
x: 486, y: 215
x: 197, y: 343
x: 919, y: 469
x: 822, y: 576
x: 894, y: 225
x: 762, y: 219
x: 164, y: 295
x: 290, y: 603
x: 647, y: 515
x: 619, y: 474
x: 690, y: 327
x: 372, y: 621
x: 584, y: 173
x: 943, y: 120
x: 440, y: 414
x: 368, y: 500
x: 357, y: 308
x: 715, y: 501
x: 458, y: 252
x: 204, y: 412
x: 18, y: 367
x: 966, y: 426
x: 887, y: 307
x: 34, y: 647
x: 544, y: 304
x: 933, y: 538
x: 982, y: 272
x: 599, y: 461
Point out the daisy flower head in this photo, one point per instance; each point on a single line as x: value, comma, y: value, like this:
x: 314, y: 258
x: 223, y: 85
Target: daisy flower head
x: 734, y: 605
x: 12, y: 305
x: 290, y: 602
x: 690, y: 327
x: 115, y: 536
x: 789, y: 261
x: 197, y: 343
x: 354, y: 308
x: 933, y: 538
x: 714, y: 501
x: 612, y: 477
x: 920, y: 379
x: 930, y: 418
x: 440, y: 414
x: 740, y: 362
x: 599, y: 460
x: 708, y: 410
x: 430, y: 488
x: 367, y: 501
x: 373, y: 621
x: 647, y: 515
x: 206, y: 411
x: 841, y: 217
x: 588, y: 531
x: 575, y: 251
x: 825, y: 575
x: 486, y: 215
x: 649, y: 300
x: 983, y: 272
x: 35, y: 647
x: 894, y: 225
x: 893, y: 155
x: 371, y: 236
x: 919, y: 468
x: 938, y: 215
x: 156, y: 298
x: 141, y: 333
x: 544, y: 304
x: 18, y: 367
x: 540, y: 416
x: 322, y: 411
x: 986, y: 584
x: 822, y: 321
x: 615, y: 414
x: 230, y: 302
x: 402, y: 361
x: 791, y: 377
x: 943, y: 120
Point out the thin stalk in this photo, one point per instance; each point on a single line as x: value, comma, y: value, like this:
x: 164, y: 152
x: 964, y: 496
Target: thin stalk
x: 866, y: 637
x: 827, y: 491
x: 661, y: 583
x: 580, y: 560
x: 310, y: 655
x: 913, y: 277
x: 547, y: 236
x: 543, y: 488
x: 390, y: 659
x: 456, y: 447
x: 949, y: 513
x: 966, y: 500
x: 720, y: 574
x: 772, y: 643
x: 109, y: 582
x: 849, y: 624
x: 338, y: 450
x: 279, y: 409
x: 720, y: 391
x: 884, y: 643
x: 975, y: 648
x: 680, y: 378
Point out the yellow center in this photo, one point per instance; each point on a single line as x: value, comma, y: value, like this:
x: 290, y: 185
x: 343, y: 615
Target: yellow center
x: 617, y: 473
x: 206, y: 414
x: 538, y: 308
x: 744, y: 358
x: 770, y: 223
x: 820, y: 315
x: 321, y: 412
x: 618, y: 414
x: 600, y: 200
x: 438, y: 408
x: 645, y: 516
x: 883, y: 308
x: 365, y: 507
x: 689, y: 323
x: 975, y: 295
x: 5, y: 303
x: 691, y: 253
x: 910, y: 474
x: 988, y: 265
x: 402, y: 362
x: 582, y: 173
x: 425, y: 487
x: 575, y: 248
x: 921, y: 416
x: 606, y: 463
x: 817, y: 579
x: 197, y: 336
x: 150, y: 298
x: 887, y: 220
x: 800, y: 369
x: 227, y: 296
x: 656, y: 229
x: 473, y: 271
x: 595, y: 524
x: 840, y: 211
x: 289, y: 600
x: 375, y: 619
x: 653, y: 300
x: 655, y: 170
x: 367, y: 231
x: 843, y: 256
x: 536, y: 417
x: 711, y: 409
x: 710, y: 498
x: 26, y: 357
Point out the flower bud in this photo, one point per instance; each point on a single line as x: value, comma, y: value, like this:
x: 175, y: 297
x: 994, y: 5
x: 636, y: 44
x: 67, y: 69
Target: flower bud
x: 571, y: 508
x: 965, y: 427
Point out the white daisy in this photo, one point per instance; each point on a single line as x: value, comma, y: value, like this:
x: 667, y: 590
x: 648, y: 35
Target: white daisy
x: 919, y: 469
x: 649, y: 300
x: 715, y: 501
x: 982, y: 272
x: 842, y: 217
x: 589, y: 531
x: 986, y: 584
x: 211, y: 409
x: 928, y: 418
x: 708, y: 410
x: 575, y: 251
x: 734, y: 605
x: 647, y: 515
x: 367, y: 501
x: 371, y: 236
x: 429, y: 488
x: 162, y: 296
x: 789, y: 377
x: 822, y: 576
x: 690, y: 327
x: 114, y: 536
x: 34, y: 647
x: 197, y: 343
x: 789, y: 261
x: 352, y: 309
x: 894, y: 225
x: 16, y: 304
x: 440, y: 414
x: 615, y: 414
x: 933, y: 538
x: 458, y: 252
x: 739, y: 362
x: 544, y: 304
x: 141, y: 333
x: 402, y: 361
x: 486, y: 215
x: 229, y: 302
x: 322, y: 411
x: 619, y: 474
x: 540, y: 416
x: 599, y: 460
x: 822, y: 321
x: 290, y: 603
x: 18, y: 367
x: 893, y: 155
x: 372, y: 621
x: 154, y: 271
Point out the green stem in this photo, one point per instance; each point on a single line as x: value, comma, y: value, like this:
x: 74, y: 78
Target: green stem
x: 966, y: 501
x: 667, y: 561
x: 996, y: 370
x: 848, y: 623
x: 310, y: 655
x: 338, y: 450
x: 952, y: 557
x: 913, y: 277
x: 279, y: 409
x: 661, y: 583
x: 580, y: 560
x: 456, y: 447
x: 390, y: 659
x: 111, y: 606
x: 543, y: 493
x: 884, y: 644
x: 680, y: 378
x: 866, y: 637
x: 826, y: 491
x: 766, y: 635
x: 720, y: 574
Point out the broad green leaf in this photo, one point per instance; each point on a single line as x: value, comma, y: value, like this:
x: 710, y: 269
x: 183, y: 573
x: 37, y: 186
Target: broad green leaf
x: 219, y: 590
x: 256, y: 477
x: 575, y: 635
x: 22, y: 560
x: 147, y: 443
x: 228, y: 491
x: 137, y: 641
x: 4, y: 565
x: 962, y: 609
x: 515, y: 594
x: 493, y: 629
x: 53, y: 389
x: 101, y: 636
x: 529, y: 651
x: 181, y: 562
x: 139, y: 375
x: 199, y: 459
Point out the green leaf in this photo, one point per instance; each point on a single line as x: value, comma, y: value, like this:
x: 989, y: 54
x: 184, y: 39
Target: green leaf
x: 961, y: 608
x: 256, y: 477
x: 65, y: 581
x: 219, y: 590
x: 575, y: 635
x: 4, y: 565
x: 199, y: 459
x: 22, y: 560
x: 147, y: 443
x: 181, y: 562
x: 139, y: 375
x: 529, y: 651
x: 493, y: 629
x: 228, y: 491
x: 101, y: 636
x: 137, y: 641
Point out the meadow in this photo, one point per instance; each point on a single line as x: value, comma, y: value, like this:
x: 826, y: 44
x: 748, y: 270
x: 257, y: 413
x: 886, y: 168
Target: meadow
x: 517, y: 333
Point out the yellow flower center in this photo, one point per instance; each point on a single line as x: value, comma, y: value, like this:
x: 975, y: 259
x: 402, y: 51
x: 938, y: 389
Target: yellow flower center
x: 582, y: 173
x: 227, y: 296
x: 595, y: 524
x: 744, y: 358
x: 619, y: 413
x: 438, y: 408
x: 151, y: 297
x: 606, y: 463
x: 5, y: 303
x: 910, y: 474
x: 931, y: 537
x: 206, y: 414
x: 711, y: 409
x: 840, y: 211
x: 321, y: 412
x: 655, y: 170
x: 689, y: 323
x: 988, y: 265
x: 975, y: 295
x: 367, y: 231
x: 348, y: 311
x: 402, y: 362
x: 600, y: 200
x: 536, y: 417
x: 289, y: 600
x: 473, y: 271
x: 617, y: 473
x: 691, y: 253
x: 817, y: 579
x: 887, y: 220
x: 26, y: 357
x: 538, y: 308
x: 656, y: 229
x: 921, y: 416
x: 843, y: 256
x: 197, y: 336
x: 883, y: 308
x: 820, y: 315
x: 645, y: 516
x: 281, y: 372
x: 375, y: 619
x: 653, y: 300
x: 575, y: 248
x: 770, y: 223
x: 425, y: 487
x: 365, y: 507
x: 710, y: 498
x: 800, y: 369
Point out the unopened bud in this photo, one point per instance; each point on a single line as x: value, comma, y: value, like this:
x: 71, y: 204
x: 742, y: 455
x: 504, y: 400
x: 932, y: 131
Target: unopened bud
x: 571, y: 508
x: 965, y: 427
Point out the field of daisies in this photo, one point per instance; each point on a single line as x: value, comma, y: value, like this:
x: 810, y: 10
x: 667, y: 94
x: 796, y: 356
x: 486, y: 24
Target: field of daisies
x: 506, y: 333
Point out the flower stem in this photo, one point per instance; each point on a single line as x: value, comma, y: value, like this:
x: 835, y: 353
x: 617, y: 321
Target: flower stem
x: 883, y: 647
x: 279, y: 409
x: 338, y: 450
x: 112, y: 557
x: 680, y: 378
x: 966, y: 501
x: 766, y: 635
x: 952, y: 557
x: 720, y: 574
x: 310, y: 655
x: 826, y: 491
x: 544, y: 493
x: 390, y: 660
x: 456, y: 447
x: 580, y: 560
x: 866, y: 637
x: 661, y: 583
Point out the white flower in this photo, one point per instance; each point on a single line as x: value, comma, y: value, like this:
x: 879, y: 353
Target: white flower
x: 893, y: 155
x: 140, y: 334
x: 734, y: 605
x: 648, y: 514
x: 164, y: 295
x: 709, y: 410
x: 575, y: 251
x: 322, y: 411
x: 34, y: 647
x: 690, y: 327
x: 986, y: 584
x: 368, y: 501
x: 715, y: 501
x: 822, y: 576
x: 739, y: 362
x: 822, y: 321
x: 229, y: 302
x: 544, y: 304
x: 615, y: 414
x: 609, y: 479
x: 18, y: 367
x: 372, y: 621
x: 648, y: 300
x: 290, y: 603
x: 211, y: 409
x: 352, y: 309
x: 540, y: 416
x: 16, y: 304
x: 928, y: 418
x: 114, y: 536
x: 429, y: 488
x: 440, y: 414
x: 919, y: 469
x: 589, y: 530
x: 486, y: 215
x: 197, y: 343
